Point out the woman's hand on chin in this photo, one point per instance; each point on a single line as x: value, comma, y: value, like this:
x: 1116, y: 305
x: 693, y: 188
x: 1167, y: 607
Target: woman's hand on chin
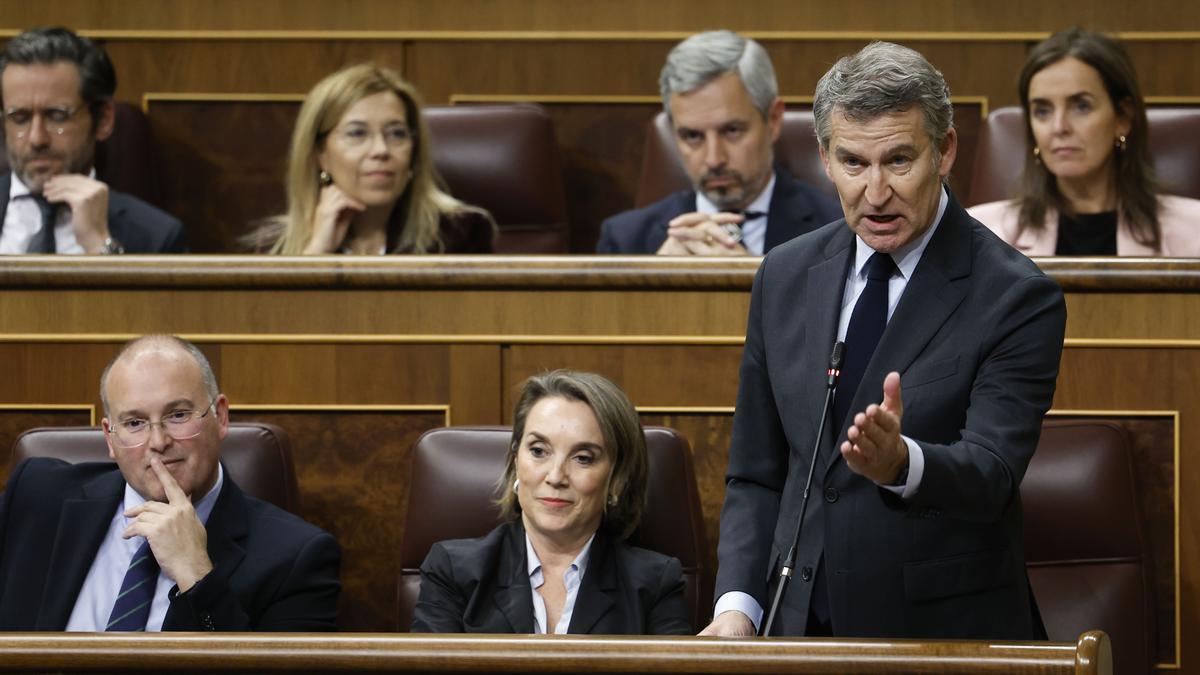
x: 331, y: 221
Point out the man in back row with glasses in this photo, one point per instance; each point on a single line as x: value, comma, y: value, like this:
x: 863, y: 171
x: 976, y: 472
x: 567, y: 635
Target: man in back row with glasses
x: 164, y: 540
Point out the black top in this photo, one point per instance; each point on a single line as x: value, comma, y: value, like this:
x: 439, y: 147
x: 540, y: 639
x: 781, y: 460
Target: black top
x: 1087, y: 234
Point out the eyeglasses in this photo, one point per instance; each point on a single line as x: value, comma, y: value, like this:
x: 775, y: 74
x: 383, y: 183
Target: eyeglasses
x: 359, y: 135
x: 178, y: 424
x: 56, y: 118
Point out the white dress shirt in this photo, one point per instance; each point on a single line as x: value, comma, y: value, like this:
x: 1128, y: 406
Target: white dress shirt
x: 906, y: 259
x: 754, y: 231
x: 23, y: 219
x: 572, y: 578
x: 103, y: 582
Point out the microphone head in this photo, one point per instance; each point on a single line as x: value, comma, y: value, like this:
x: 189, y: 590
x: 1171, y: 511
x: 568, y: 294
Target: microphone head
x: 839, y: 352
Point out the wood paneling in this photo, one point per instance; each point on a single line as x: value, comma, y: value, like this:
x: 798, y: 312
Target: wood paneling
x: 618, y: 15
x: 353, y: 468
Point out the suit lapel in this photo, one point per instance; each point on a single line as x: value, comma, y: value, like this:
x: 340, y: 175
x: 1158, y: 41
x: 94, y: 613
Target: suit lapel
x: 823, y: 306
x: 789, y: 215
x: 598, y: 589
x: 938, y: 286
x: 513, y: 594
x: 5, y: 186
x: 82, y: 525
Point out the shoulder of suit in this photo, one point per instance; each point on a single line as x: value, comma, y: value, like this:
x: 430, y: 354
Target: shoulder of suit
x: 675, y: 203
x: 139, y: 210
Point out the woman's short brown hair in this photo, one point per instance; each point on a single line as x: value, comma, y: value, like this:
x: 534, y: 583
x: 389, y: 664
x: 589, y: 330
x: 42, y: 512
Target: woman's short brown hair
x: 623, y: 437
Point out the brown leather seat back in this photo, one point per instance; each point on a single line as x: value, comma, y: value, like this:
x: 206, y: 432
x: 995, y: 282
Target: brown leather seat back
x: 125, y: 160
x: 1088, y: 561
x: 796, y: 151
x: 504, y: 158
x: 454, y: 478
x: 1000, y: 156
x: 257, y: 456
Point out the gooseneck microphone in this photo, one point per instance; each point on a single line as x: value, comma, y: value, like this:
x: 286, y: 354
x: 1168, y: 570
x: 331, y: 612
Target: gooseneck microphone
x: 785, y: 574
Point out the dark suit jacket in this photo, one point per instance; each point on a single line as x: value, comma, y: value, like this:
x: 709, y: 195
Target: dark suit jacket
x: 140, y: 227
x: 976, y: 337
x: 796, y: 208
x: 482, y: 586
x: 271, y: 570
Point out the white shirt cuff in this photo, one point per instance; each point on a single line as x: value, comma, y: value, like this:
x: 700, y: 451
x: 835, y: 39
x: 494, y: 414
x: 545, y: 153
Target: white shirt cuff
x: 742, y: 602
x: 916, y: 469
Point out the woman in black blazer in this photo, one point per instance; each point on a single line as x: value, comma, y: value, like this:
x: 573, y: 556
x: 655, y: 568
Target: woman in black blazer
x: 574, y: 486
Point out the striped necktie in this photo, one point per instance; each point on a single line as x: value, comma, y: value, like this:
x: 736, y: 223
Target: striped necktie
x: 132, y: 608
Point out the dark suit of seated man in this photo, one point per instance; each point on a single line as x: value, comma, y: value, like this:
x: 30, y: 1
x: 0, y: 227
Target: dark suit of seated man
x: 720, y: 93
x: 56, y: 90
x: 165, y: 540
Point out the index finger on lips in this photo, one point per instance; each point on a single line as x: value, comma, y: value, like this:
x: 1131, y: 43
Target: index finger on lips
x: 175, y: 494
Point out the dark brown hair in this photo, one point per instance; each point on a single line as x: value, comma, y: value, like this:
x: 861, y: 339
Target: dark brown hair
x: 623, y: 437
x: 1137, y: 188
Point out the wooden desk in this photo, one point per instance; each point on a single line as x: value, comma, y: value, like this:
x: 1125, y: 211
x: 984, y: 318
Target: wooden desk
x: 357, y: 357
x: 319, y: 653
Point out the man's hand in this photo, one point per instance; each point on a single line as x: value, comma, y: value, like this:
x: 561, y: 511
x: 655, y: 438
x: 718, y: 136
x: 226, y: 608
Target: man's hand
x: 730, y: 624
x: 874, y: 448
x: 702, y: 234
x: 177, y: 537
x: 331, y: 220
x: 88, y: 200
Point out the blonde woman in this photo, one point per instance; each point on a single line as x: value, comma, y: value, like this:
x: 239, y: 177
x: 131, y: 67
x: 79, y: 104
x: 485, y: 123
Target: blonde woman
x: 361, y: 178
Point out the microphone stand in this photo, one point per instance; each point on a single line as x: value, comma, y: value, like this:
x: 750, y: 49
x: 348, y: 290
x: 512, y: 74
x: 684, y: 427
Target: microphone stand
x: 785, y: 574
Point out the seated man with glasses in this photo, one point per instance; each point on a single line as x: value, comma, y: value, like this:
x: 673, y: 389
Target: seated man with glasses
x: 164, y: 540
x: 56, y: 90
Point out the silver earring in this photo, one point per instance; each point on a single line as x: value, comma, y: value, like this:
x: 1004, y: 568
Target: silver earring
x: 516, y: 486
x: 325, y: 178
x: 612, y: 500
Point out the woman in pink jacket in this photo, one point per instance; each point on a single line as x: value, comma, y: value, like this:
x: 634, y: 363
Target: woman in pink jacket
x: 1088, y: 187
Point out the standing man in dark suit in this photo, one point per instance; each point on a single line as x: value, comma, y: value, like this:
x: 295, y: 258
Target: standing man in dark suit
x: 164, y: 540
x: 56, y: 89
x: 720, y: 93
x: 914, y: 525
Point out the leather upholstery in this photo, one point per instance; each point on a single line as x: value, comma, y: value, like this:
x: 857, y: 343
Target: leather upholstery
x: 1000, y: 156
x: 125, y: 161
x: 1089, y: 564
x: 796, y: 151
x: 257, y: 456
x: 504, y: 158
x: 453, y: 485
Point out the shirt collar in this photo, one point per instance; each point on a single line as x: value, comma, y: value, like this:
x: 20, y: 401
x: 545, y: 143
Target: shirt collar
x: 534, y: 564
x: 203, y: 507
x: 761, y: 203
x: 906, y: 257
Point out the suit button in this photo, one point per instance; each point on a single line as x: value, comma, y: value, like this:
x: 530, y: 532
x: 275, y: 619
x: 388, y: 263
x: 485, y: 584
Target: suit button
x: 806, y: 574
x: 831, y: 495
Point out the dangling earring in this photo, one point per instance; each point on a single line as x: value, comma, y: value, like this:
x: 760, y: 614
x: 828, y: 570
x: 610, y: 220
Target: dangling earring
x: 612, y: 500
x: 1120, y: 143
x: 516, y: 486
x: 325, y: 178
x: 1037, y: 155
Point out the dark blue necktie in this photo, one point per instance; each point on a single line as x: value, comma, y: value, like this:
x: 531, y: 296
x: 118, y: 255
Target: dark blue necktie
x: 866, y: 326
x: 132, y: 608
x: 43, y: 239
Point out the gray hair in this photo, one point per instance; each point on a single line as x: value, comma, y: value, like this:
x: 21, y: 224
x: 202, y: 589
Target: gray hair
x: 143, y: 343
x: 704, y: 57
x: 883, y: 78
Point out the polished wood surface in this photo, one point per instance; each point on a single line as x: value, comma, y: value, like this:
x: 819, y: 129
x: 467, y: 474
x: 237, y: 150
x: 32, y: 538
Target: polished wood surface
x: 355, y: 357
x: 311, y: 652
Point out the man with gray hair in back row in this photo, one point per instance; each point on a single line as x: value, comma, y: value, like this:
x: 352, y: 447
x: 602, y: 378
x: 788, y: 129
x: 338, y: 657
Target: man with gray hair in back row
x: 914, y: 526
x: 720, y: 94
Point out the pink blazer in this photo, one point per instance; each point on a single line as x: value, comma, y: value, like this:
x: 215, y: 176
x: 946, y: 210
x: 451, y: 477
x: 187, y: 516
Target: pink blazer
x: 1179, y: 218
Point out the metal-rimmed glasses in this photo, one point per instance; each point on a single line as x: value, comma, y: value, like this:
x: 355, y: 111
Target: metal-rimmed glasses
x: 178, y: 424
x: 55, y: 117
